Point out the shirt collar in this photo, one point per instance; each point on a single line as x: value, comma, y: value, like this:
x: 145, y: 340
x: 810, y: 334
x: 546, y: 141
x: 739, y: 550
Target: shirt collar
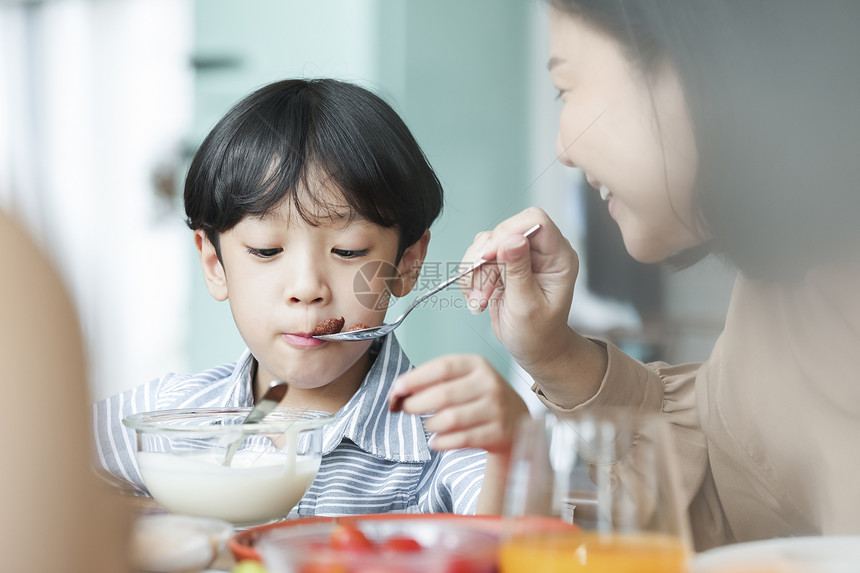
x: 242, y: 381
x: 365, y: 419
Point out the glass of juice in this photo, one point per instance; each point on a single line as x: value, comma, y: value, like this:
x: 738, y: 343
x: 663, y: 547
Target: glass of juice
x: 611, y: 474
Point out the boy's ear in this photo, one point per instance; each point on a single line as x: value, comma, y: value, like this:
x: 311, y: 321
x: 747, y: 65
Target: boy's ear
x: 213, y: 270
x: 409, y: 266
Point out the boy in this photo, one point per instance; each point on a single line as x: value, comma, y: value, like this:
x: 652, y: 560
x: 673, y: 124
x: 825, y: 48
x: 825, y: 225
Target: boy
x: 300, y: 187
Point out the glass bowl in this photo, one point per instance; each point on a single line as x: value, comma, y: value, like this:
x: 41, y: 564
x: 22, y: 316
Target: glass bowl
x: 181, y: 455
x: 408, y: 545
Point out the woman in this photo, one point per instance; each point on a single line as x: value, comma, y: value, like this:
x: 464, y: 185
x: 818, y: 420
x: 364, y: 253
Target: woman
x: 708, y: 126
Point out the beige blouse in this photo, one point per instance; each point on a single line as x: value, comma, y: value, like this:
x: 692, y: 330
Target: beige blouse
x: 768, y: 429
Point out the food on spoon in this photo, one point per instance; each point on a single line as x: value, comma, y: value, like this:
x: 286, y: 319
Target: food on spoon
x: 328, y: 326
x: 357, y: 326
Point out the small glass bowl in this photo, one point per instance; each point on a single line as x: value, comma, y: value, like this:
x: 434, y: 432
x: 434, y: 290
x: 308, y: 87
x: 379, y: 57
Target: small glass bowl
x: 181, y: 455
x: 446, y: 547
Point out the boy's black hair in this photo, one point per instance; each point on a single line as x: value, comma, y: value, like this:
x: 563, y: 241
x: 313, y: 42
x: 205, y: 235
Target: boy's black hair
x: 285, y: 139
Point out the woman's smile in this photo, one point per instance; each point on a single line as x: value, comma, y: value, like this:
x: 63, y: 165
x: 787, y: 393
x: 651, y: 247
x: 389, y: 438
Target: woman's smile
x: 633, y: 130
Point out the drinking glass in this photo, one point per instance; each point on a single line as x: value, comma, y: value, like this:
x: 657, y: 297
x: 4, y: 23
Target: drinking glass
x: 612, y: 474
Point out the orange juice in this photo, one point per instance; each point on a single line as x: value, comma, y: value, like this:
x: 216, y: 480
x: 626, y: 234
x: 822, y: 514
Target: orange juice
x: 593, y: 553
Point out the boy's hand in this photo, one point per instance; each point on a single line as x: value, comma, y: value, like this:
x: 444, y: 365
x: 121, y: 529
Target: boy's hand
x: 470, y: 404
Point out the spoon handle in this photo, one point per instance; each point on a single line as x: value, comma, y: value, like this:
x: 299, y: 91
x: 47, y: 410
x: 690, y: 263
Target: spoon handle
x: 456, y: 277
x: 270, y: 400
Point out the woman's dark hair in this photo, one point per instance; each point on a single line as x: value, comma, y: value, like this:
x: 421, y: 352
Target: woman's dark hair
x: 772, y: 90
x: 289, y: 137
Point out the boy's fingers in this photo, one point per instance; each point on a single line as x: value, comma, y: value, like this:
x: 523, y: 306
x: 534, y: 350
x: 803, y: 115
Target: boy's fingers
x: 433, y: 372
x: 444, y: 395
x: 483, y: 437
x: 467, y: 415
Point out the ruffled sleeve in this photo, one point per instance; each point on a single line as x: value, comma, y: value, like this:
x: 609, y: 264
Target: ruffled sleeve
x: 669, y: 390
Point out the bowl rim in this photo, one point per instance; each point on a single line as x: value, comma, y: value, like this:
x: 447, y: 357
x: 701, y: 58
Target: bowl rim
x: 243, y: 543
x: 280, y: 420
x: 472, y: 542
x: 457, y: 524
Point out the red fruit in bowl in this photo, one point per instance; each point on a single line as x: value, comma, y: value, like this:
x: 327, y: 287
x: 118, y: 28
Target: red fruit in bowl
x: 399, y: 544
x: 349, y: 538
x: 459, y: 565
x: 324, y: 568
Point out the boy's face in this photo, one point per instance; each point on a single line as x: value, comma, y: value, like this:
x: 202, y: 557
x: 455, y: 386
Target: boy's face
x: 283, y: 276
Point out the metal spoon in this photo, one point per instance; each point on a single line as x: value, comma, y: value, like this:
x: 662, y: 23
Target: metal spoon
x: 380, y: 331
x: 270, y: 400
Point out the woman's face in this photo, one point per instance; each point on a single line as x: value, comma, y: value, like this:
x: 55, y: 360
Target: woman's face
x: 629, y: 133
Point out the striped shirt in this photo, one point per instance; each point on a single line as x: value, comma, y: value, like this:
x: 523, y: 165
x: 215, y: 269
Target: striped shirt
x: 374, y: 460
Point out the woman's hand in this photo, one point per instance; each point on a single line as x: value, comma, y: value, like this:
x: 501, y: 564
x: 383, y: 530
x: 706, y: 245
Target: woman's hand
x: 529, y: 289
x: 470, y: 404
x: 528, y: 293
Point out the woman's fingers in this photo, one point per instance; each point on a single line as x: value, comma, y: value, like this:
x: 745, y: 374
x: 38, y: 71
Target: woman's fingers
x: 506, y: 238
x: 483, y: 284
x: 518, y: 278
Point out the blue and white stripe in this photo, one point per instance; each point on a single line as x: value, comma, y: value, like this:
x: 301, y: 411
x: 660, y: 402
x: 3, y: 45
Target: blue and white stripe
x: 374, y: 461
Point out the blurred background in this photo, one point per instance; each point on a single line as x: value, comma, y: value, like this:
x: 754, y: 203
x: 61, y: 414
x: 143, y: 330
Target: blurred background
x: 103, y: 103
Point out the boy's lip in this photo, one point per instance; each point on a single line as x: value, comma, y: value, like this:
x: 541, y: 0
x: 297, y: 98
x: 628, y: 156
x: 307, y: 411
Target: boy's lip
x: 302, y: 339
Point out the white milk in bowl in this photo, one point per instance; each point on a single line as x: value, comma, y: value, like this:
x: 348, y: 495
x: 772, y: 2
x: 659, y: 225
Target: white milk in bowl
x: 254, y: 488
x: 181, y: 457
